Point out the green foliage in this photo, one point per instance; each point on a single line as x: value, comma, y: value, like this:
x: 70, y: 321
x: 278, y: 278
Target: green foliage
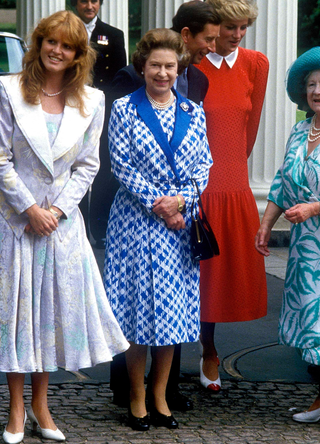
x: 135, y: 14
x: 68, y: 5
x: 308, y: 24
x: 7, y: 4
x: 300, y: 115
x: 8, y: 27
x: 134, y: 24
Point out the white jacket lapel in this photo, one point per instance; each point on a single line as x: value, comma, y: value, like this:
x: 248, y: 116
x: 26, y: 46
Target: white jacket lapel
x: 31, y: 121
x: 71, y: 129
x: 73, y: 125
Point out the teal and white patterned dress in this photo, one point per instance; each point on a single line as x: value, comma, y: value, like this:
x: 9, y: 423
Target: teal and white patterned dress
x: 298, y: 181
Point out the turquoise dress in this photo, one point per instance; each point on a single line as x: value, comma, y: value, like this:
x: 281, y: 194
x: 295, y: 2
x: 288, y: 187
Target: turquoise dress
x: 298, y: 181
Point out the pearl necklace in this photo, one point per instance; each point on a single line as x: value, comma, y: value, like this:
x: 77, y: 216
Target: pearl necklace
x: 158, y: 105
x: 314, y: 132
x: 51, y: 95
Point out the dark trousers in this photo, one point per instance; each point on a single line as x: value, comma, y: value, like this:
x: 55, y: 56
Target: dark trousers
x: 103, y: 191
x: 119, y: 378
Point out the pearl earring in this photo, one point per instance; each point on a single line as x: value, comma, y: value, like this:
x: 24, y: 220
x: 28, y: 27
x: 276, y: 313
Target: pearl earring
x: 142, y: 72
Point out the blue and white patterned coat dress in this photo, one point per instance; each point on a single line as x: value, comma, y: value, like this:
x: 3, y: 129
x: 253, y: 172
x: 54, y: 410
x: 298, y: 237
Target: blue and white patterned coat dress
x: 298, y: 181
x: 150, y: 278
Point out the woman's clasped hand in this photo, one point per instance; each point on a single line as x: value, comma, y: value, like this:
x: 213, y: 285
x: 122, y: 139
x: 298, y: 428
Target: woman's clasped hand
x: 166, y: 207
x: 296, y: 214
x: 301, y: 212
x: 42, y: 221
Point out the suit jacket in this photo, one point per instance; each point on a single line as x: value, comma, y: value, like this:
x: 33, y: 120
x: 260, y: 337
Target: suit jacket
x: 31, y: 171
x: 127, y: 81
x: 109, y: 44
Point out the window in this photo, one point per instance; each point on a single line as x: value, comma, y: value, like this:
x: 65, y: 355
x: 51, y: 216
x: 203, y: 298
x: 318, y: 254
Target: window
x: 11, y: 54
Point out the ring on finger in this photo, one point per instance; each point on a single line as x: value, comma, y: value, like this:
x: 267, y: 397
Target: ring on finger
x: 161, y: 217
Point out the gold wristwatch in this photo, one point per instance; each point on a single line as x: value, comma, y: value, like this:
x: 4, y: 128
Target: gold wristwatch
x: 180, y: 204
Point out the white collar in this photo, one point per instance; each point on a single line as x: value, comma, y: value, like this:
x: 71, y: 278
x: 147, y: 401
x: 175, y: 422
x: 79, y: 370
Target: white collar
x: 217, y: 59
x: 91, y: 25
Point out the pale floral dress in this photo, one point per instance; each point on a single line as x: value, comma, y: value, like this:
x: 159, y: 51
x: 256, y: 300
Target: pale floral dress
x: 53, y: 308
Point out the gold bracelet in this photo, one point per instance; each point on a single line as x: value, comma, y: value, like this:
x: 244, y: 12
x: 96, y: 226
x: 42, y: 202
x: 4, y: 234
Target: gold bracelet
x: 56, y: 215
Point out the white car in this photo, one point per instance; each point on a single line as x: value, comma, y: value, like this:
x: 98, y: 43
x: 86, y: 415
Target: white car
x: 12, y: 49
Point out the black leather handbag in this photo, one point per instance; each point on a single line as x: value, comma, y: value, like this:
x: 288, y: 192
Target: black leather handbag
x: 204, y: 244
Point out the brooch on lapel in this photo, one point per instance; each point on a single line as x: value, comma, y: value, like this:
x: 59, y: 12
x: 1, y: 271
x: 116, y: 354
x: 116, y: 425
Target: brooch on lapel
x: 103, y: 40
x: 184, y: 106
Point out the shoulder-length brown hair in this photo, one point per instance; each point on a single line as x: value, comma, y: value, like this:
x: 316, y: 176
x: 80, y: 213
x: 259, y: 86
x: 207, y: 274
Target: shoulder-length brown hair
x: 160, y: 38
x: 73, y: 32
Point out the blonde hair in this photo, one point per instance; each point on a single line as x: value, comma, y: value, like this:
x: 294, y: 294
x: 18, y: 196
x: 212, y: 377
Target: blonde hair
x: 236, y: 9
x: 161, y: 38
x: 73, y: 32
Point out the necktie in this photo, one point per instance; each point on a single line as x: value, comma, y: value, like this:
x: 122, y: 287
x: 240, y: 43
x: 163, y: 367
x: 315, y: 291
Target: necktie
x: 182, y: 84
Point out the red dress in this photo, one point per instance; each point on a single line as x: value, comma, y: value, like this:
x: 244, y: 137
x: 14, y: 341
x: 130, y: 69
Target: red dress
x: 233, y: 285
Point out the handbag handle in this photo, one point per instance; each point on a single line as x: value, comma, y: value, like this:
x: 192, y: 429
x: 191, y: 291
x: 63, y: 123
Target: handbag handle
x: 194, y: 183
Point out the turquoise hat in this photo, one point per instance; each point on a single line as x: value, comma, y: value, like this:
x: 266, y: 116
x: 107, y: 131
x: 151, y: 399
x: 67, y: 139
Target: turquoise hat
x: 295, y: 82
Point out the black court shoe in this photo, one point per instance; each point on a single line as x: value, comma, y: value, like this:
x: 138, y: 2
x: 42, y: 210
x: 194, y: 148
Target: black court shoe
x: 139, y: 424
x: 160, y: 420
x: 177, y: 401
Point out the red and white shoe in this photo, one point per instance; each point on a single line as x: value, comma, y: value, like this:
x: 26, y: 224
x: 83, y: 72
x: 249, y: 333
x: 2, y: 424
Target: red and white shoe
x: 214, y: 386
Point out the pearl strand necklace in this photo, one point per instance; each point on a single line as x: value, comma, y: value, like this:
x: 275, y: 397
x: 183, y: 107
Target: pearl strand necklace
x: 51, y: 95
x: 313, y: 136
x: 158, y: 105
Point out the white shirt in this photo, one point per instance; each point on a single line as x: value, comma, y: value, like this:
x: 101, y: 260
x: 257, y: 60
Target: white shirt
x: 217, y: 59
x: 90, y: 27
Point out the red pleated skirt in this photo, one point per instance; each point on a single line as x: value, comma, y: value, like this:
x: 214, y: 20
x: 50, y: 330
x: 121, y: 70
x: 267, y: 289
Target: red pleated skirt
x: 233, y: 285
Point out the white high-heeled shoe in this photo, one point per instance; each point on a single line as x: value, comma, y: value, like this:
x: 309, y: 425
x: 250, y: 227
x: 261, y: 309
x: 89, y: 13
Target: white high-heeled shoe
x: 214, y: 386
x: 55, y: 435
x: 14, y: 438
x: 312, y: 416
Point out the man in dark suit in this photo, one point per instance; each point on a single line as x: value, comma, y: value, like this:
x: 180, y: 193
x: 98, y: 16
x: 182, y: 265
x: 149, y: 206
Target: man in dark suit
x: 199, y: 27
x: 108, y: 41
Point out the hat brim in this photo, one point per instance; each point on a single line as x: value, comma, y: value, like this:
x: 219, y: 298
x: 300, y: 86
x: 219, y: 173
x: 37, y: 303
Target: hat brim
x: 295, y: 83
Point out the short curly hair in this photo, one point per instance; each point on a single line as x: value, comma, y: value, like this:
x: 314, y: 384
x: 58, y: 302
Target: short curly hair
x: 236, y: 9
x: 160, y: 38
x: 74, y: 2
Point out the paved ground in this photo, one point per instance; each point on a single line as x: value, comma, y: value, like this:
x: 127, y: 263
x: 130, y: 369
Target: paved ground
x: 263, y: 384
x: 244, y: 412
